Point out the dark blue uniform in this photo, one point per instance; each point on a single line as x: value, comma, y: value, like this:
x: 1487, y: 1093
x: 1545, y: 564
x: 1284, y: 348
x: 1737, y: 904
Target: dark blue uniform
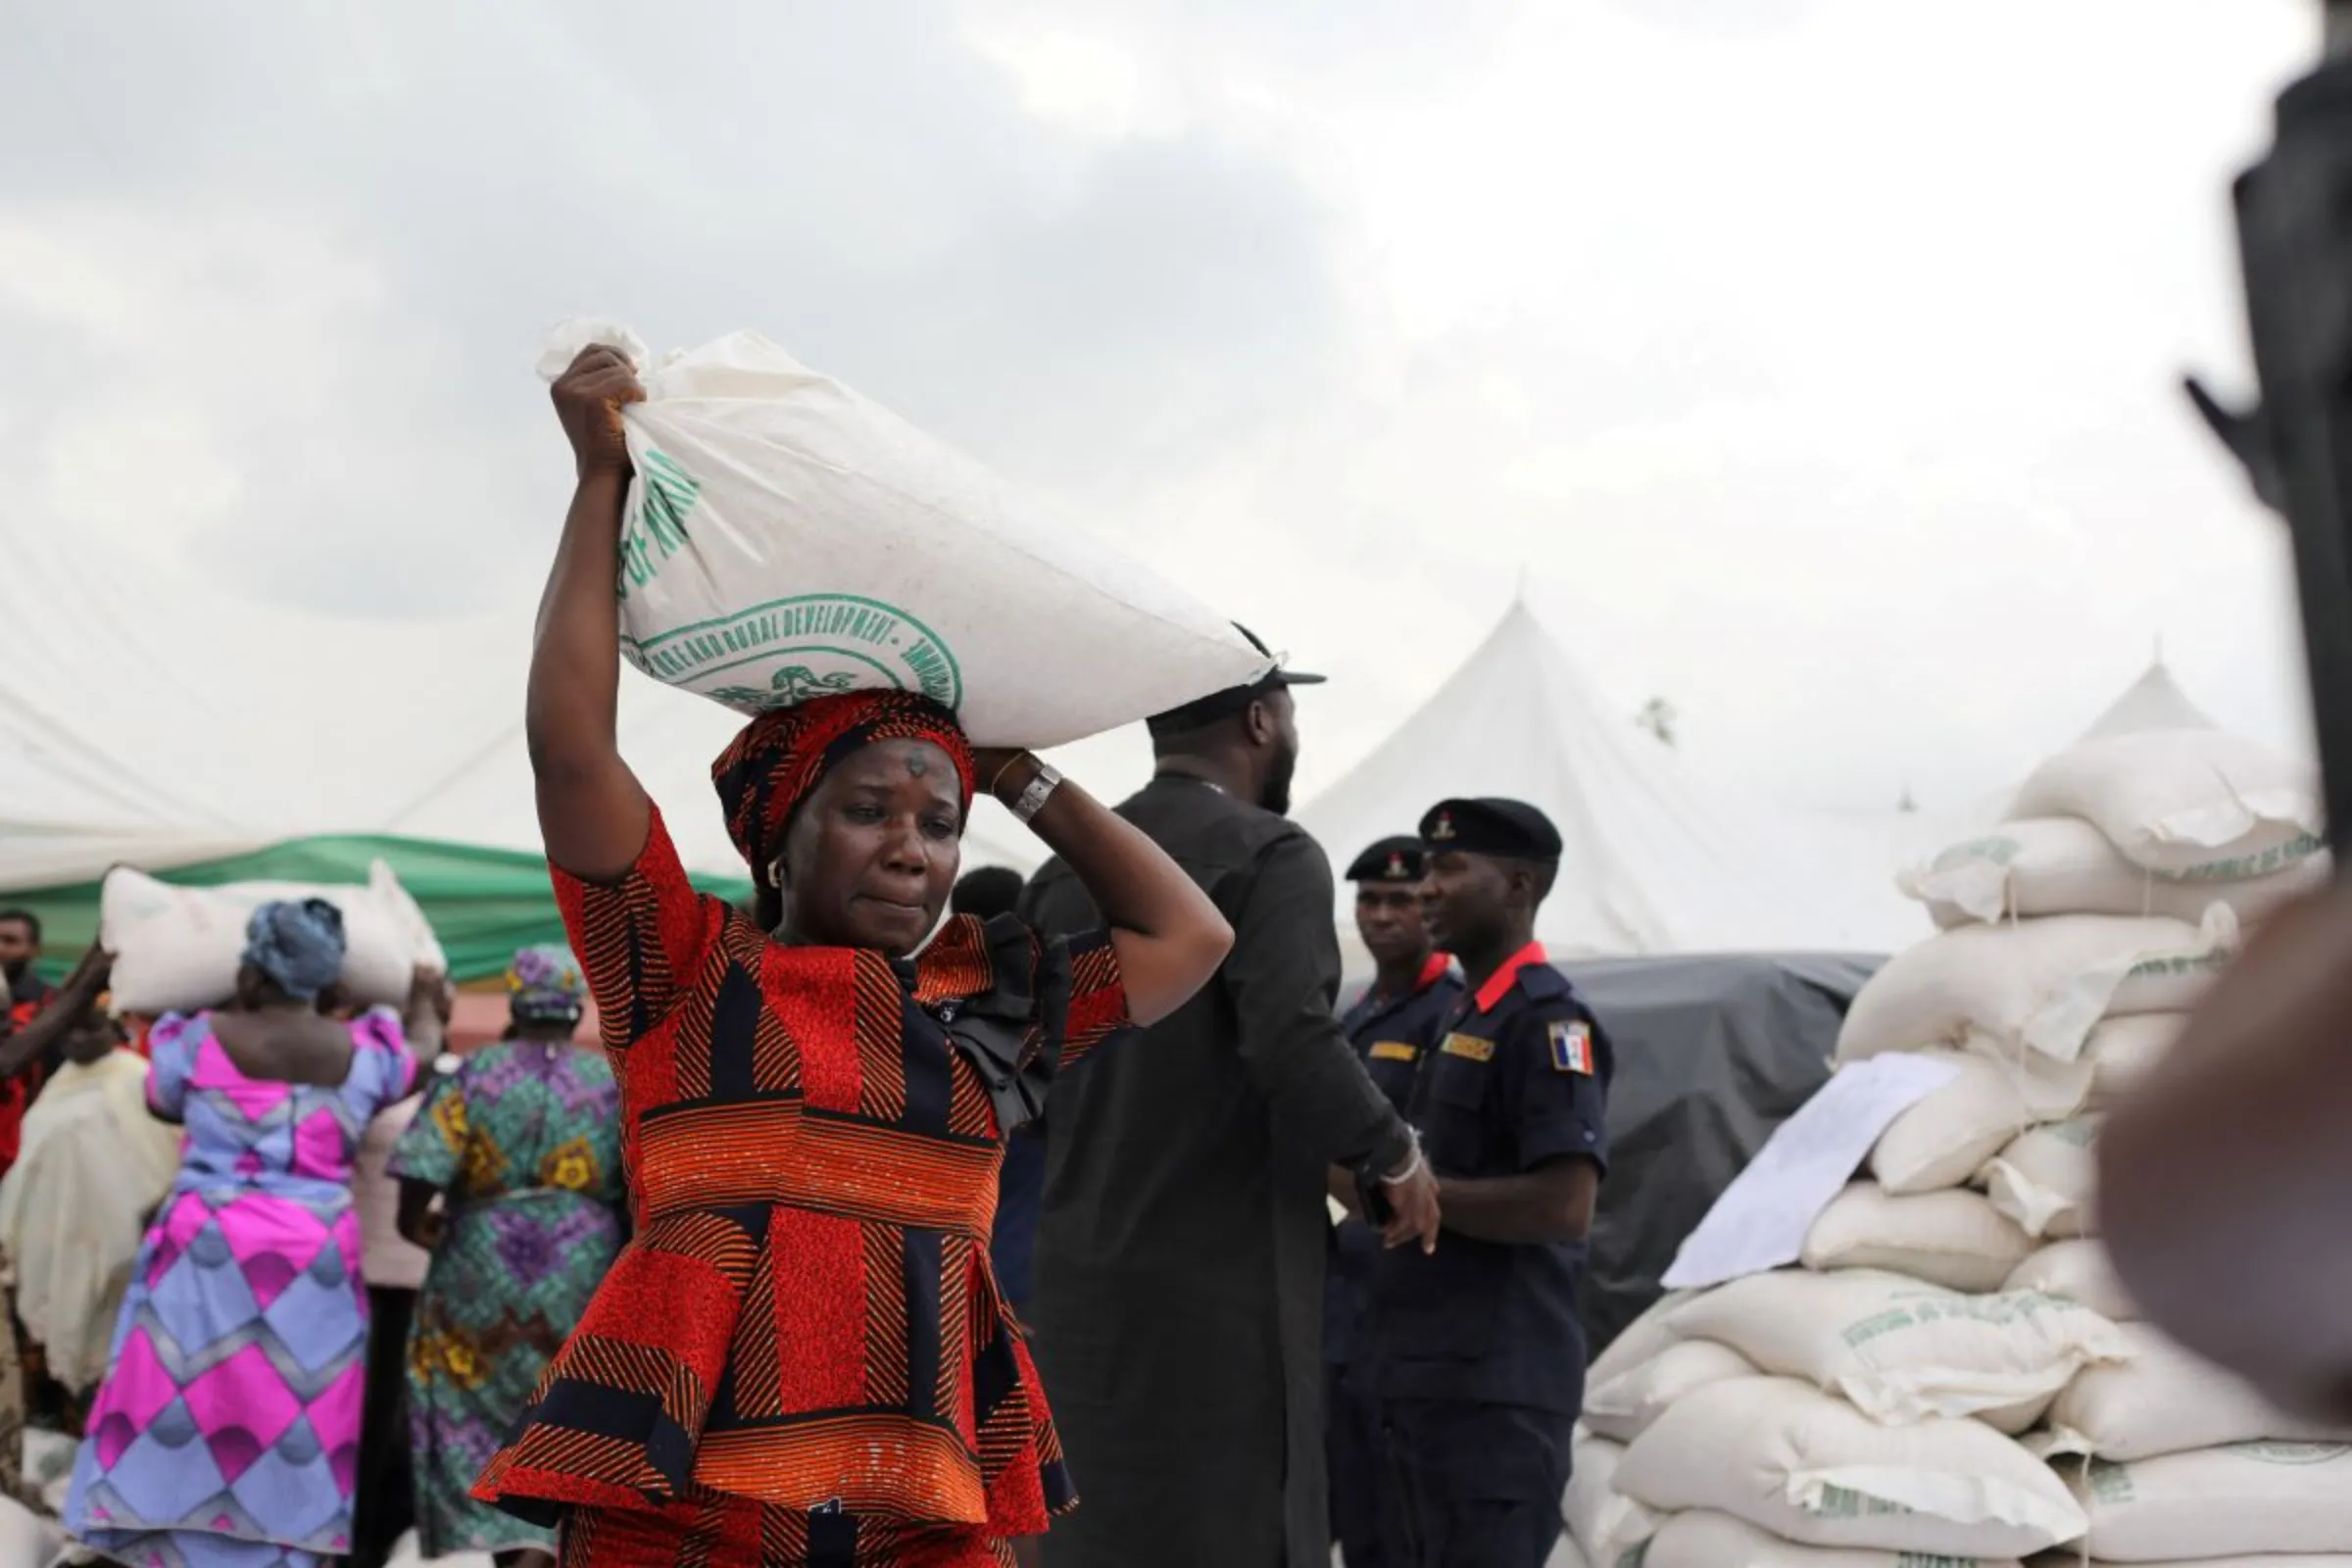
x: 1390, y: 1033
x: 1475, y: 1351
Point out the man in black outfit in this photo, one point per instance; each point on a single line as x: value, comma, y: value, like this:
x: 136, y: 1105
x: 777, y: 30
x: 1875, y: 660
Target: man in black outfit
x: 1180, y: 1260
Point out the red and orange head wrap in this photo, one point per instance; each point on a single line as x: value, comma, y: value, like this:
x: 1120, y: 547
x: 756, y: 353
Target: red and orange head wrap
x: 782, y: 755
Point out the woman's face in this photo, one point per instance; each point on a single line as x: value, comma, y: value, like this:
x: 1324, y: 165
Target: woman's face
x: 872, y: 854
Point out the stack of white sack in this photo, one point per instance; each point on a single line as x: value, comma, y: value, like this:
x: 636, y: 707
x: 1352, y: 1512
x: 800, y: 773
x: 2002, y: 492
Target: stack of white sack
x: 178, y: 949
x: 1929, y: 1382
x: 1847, y: 1417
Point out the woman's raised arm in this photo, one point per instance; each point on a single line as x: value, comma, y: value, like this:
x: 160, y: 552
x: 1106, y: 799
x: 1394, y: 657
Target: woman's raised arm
x: 1168, y: 936
x: 66, y: 1008
x: 593, y: 814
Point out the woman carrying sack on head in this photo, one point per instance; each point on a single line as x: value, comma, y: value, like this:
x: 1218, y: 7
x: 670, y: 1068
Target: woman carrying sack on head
x: 802, y: 1357
x: 228, y: 1425
x: 517, y: 1146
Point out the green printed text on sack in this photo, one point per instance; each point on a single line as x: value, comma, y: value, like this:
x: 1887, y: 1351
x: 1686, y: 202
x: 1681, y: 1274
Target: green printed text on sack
x: 655, y: 528
x: 1845, y: 1503
x: 833, y: 642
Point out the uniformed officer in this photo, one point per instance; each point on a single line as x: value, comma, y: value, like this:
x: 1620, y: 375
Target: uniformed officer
x: 1476, y: 1352
x: 1412, y: 988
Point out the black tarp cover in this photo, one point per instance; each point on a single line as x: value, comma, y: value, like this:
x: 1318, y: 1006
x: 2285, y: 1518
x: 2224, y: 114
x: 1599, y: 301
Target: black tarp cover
x: 1714, y: 1051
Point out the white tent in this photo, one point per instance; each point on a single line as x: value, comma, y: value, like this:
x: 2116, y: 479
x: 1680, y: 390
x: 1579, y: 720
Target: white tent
x: 144, y: 723
x: 1658, y: 858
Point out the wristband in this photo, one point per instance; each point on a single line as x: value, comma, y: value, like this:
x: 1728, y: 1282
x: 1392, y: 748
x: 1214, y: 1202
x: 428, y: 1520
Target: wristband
x: 1031, y: 801
x: 1412, y: 1166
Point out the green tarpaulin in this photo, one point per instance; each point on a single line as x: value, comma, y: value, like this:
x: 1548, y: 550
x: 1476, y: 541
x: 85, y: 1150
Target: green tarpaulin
x: 483, y: 903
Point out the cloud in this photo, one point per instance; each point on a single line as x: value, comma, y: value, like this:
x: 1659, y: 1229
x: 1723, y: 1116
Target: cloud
x: 332, y: 250
x: 1815, y: 371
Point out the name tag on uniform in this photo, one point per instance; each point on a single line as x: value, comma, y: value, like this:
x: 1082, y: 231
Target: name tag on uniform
x: 1572, y: 1048
x: 1394, y: 1051
x: 1469, y: 1047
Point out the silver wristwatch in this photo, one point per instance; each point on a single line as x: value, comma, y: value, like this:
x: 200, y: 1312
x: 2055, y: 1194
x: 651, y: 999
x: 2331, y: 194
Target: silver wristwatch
x: 1032, y: 800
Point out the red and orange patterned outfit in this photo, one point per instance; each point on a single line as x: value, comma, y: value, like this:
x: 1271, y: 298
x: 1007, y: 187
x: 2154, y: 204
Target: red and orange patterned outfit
x: 800, y: 1357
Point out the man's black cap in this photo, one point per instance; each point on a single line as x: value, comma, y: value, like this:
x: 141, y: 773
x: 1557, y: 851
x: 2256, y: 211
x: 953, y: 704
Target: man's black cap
x: 1395, y: 860
x: 1205, y: 710
x: 1512, y: 829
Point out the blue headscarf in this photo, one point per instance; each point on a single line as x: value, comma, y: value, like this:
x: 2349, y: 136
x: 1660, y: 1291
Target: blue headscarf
x: 299, y: 945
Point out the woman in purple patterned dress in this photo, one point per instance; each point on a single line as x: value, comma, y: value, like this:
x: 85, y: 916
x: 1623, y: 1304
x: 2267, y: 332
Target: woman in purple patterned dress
x: 511, y: 1177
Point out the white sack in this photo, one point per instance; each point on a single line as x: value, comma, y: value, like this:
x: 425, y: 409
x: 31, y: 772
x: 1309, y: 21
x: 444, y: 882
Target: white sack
x: 785, y: 537
x: 1952, y: 1237
x: 2044, y: 1180
x: 1623, y: 1406
x: 1813, y: 1469
x: 1944, y: 1139
x: 26, y: 1540
x: 2064, y: 865
x: 1603, y: 1523
x: 2123, y: 1052
x: 178, y: 949
x: 2037, y: 983
x: 2248, y: 1501
x: 1566, y: 1554
x: 2077, y: 1270
x: 2197, y: 805
x: 1704, y: 1539
x: 2163, y: 1400
x: 1638, y: 1341
x: 1899, y: 1349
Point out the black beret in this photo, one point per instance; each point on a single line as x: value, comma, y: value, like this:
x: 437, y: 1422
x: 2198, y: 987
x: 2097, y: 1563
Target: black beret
x: 1205, y: 710
x: 1512, y: 829
x: 1395, y: 860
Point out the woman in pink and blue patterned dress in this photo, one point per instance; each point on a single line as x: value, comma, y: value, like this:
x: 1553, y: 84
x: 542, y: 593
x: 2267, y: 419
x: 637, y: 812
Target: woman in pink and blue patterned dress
x: 227, y: 1433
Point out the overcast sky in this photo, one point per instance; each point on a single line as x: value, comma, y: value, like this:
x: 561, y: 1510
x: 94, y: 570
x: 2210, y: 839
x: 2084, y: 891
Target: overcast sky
x: 1812, y: 360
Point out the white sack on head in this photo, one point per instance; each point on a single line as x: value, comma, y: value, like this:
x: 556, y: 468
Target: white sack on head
x: 2042, y: 984
x: 785, y: 538
x: 2250, y: 1499
x: 2196, y: 804
x: 1901, y: 1350
x: 1951, y: 1237
x: 2051, y: 865
x: 178, y: 949
x: 1809, y: 1468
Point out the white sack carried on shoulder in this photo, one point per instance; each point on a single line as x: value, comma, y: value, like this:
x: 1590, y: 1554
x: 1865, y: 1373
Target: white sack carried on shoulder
x: 2064, y: 865
x: 1899, y: 1349
x: 1706, y: 1538
x: 1951, y: 1237
x: 2197, y: 805
x: 2078, y: 1271
x: 785, y: 538
x: 1945, y: 1138
x: 2164, y: 1400
x: 2045, y: 1180
x: 1638, y: 1341
x: 1603, y: 1522
x: 2250, y: 1499
x: 2043, y: 984
x: 178, y: 949
x: 1622, y: 1407
x: 1809, y: 1468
